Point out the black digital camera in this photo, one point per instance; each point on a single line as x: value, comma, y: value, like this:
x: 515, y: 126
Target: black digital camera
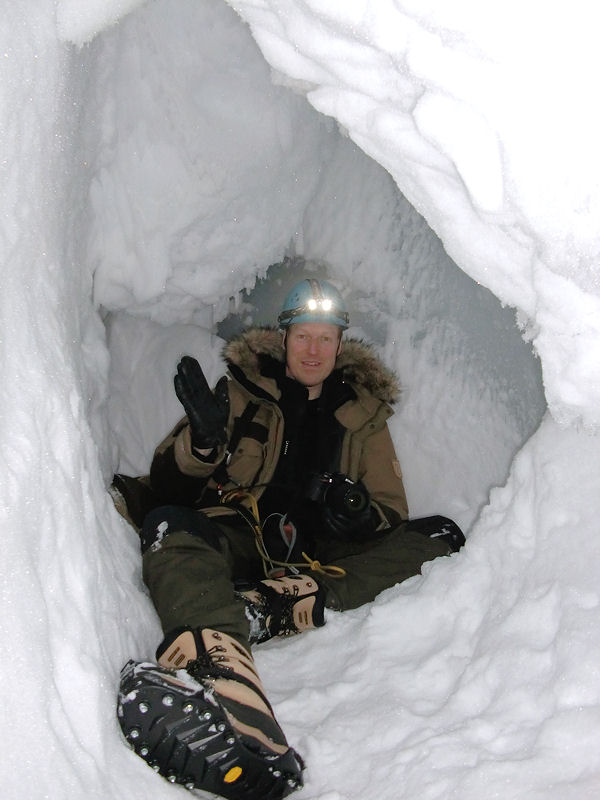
x: 338, y: 493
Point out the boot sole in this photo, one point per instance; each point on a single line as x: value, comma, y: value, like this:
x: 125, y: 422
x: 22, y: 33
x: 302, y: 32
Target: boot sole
x: 178, y: 727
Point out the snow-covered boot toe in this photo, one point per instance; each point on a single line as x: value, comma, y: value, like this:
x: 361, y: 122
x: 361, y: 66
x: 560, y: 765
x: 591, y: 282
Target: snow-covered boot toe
x: 282, y: 606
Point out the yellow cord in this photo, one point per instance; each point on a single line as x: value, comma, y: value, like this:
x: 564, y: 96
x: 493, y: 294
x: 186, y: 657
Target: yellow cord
x: 240, y: 495
x: 324, y: 569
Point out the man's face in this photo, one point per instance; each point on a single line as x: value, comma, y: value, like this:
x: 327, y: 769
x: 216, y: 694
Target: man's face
x: 311, y: 351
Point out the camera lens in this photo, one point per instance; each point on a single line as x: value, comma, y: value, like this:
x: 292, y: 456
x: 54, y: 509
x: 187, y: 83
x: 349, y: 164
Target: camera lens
x: 355, y: 500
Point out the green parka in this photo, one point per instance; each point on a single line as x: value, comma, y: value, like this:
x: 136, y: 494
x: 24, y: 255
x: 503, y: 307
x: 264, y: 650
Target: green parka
x: 367, y: 452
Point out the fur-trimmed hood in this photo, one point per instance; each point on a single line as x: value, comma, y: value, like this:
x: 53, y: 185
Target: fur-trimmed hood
x: 359, y: 365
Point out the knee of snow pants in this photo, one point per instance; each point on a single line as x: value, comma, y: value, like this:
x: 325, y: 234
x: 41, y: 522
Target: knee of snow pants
x: 164, y: 520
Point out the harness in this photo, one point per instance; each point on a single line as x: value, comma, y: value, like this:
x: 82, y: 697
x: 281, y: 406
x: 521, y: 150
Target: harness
x: 233, y: 499
x: 244, y: 426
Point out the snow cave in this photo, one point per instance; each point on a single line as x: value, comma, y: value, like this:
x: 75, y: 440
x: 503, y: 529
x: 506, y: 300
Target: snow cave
x: 170, y: 169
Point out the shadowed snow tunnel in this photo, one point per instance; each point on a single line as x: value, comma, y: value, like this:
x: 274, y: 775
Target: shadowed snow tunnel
x: 170, y: 169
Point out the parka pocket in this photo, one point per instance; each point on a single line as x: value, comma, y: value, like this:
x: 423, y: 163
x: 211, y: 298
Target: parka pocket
x: 246, y: 462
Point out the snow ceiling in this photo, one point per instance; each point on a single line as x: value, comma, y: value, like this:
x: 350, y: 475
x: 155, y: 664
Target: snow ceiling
x: 484, y: 116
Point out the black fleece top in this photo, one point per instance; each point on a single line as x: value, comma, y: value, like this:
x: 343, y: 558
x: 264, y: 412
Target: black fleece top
x: 311, y: 445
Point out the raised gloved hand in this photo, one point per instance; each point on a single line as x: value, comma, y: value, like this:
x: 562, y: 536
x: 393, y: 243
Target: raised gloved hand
x: 347, y: 511
x: 206, y: 411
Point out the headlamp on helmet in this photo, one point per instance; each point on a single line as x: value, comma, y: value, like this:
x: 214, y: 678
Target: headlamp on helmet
x: 314, y: 301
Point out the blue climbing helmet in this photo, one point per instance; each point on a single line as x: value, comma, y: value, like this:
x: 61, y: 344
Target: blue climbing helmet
x: 314, y: 301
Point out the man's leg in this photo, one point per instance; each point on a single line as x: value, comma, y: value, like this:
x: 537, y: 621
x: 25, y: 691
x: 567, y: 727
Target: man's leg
x: 189, y: 563
x: 372, y: 567
x: 295, y: 603
x: 217, y: 733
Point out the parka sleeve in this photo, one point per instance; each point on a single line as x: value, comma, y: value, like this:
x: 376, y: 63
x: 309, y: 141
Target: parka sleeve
x: 176, y: 474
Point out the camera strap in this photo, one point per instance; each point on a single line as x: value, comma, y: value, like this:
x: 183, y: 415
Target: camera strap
x: 235, y: 500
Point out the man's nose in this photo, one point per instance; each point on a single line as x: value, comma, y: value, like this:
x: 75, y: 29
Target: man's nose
x: 313, y: 346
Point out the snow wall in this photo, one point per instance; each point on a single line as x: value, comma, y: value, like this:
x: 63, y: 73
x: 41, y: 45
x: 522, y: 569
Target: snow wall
x: 156, y: 159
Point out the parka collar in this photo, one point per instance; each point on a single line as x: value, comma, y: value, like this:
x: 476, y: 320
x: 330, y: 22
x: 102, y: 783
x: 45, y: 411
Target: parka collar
x: 359, y: 365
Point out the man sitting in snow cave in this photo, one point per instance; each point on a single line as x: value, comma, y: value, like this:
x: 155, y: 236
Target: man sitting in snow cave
x: 278, y: 495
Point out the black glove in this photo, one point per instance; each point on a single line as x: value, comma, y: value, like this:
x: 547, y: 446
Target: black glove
x: 207, y: 412
x: 347, y: 511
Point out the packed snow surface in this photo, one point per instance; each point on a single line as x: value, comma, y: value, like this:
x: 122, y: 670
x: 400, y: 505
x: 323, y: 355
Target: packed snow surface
x: 158, y: 158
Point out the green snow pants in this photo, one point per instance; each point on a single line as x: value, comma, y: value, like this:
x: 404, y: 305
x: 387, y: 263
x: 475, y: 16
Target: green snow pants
x: 190, y: 563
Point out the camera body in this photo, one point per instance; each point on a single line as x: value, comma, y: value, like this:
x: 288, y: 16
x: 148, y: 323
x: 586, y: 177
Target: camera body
x: 340, y: 495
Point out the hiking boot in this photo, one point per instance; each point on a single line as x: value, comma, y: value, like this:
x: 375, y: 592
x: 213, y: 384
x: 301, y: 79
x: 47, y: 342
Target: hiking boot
x: 201, y: 719
x: 282, y: 606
